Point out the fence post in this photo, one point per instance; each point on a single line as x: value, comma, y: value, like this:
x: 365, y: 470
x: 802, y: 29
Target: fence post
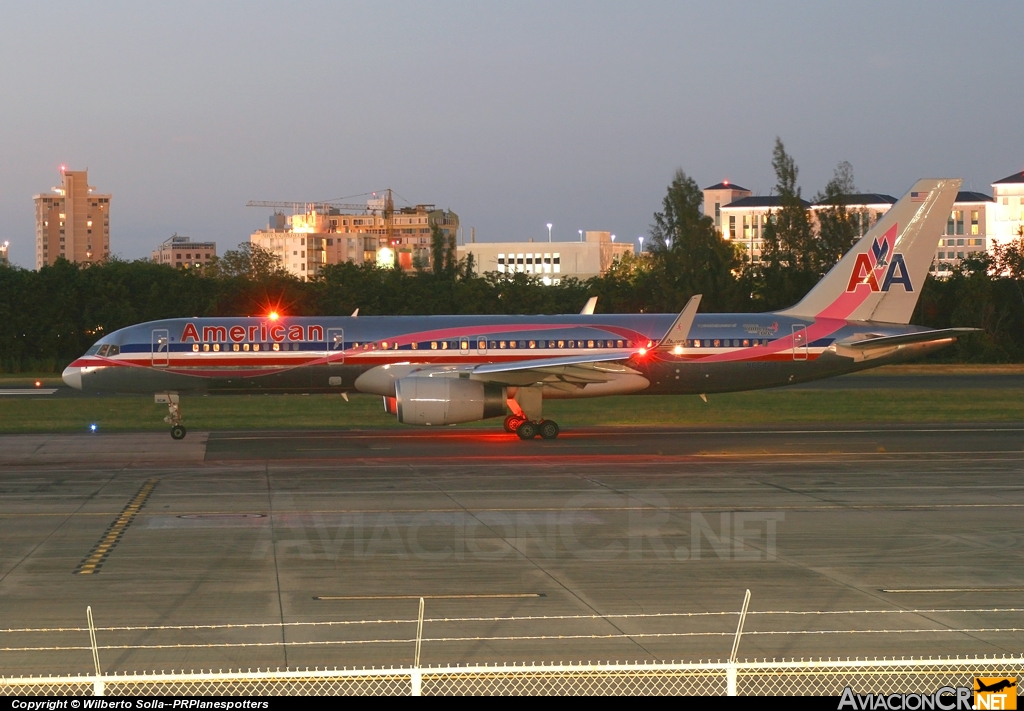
x: 730, y: 680
x: 730, y: 672
x: 97, y: 684
x: 417, y: 676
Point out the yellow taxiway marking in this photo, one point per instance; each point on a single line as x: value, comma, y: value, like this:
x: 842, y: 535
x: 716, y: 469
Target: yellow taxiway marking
x: 90, y: 565
x: 429, y: 597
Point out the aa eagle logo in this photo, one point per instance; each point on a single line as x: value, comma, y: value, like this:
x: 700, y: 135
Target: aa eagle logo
x: 866, y: 274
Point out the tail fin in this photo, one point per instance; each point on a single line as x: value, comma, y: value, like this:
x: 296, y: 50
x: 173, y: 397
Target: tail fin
x: 881, y: 277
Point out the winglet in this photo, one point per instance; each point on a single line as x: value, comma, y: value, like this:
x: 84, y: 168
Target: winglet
x: 681, y: 327
x: 588, y: 308
x: 355, y: 313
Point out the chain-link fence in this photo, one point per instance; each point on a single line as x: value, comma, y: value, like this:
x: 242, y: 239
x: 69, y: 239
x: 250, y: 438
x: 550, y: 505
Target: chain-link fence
x: 764, y: 678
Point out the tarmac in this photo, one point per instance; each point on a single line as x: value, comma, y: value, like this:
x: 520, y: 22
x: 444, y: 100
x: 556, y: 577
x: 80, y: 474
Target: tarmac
x: 294, y: 549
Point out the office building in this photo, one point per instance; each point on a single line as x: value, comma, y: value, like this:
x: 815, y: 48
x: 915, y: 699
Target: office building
x: 1008, y: 208
x: 551, y: 261
x: 741, y: 217
x: 181, y: 251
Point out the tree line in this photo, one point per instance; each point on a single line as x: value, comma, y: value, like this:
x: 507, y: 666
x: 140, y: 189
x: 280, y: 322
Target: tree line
x: 51, y: 316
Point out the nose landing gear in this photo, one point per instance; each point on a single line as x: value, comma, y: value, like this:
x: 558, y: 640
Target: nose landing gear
x: 173, y: 418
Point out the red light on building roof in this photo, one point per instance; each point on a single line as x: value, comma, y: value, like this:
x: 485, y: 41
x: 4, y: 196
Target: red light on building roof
x: 725, y: 182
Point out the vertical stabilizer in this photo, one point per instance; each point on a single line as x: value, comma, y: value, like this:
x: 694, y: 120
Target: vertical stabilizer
x: 880, y: 279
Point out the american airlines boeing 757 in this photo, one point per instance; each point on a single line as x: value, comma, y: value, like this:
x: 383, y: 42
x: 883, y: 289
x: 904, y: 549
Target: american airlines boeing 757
x: 441, y: 370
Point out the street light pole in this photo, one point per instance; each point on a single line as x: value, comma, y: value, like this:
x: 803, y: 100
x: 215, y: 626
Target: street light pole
x: 549, y: 232
x: 641, y: 243
x: 581, y: 234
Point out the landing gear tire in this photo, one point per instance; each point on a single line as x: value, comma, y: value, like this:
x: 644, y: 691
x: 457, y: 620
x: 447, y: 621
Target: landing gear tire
x: 549, y: 429
x: 512, y: 423
x: 178, y: 432
x: 526, y: 430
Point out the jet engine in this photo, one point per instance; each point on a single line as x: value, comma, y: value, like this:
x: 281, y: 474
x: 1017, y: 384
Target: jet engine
x: 446, y: 401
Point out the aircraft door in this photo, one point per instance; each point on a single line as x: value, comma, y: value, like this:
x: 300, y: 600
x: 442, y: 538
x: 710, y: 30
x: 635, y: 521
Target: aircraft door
x: 336, y: 346
x: 161, y: 353
x: 799, y: 342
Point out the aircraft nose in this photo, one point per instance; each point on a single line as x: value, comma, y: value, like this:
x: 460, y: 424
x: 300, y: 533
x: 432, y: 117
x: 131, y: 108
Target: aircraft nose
x: 73, y: 377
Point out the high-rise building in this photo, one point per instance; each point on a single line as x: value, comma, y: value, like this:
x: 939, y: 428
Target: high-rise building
x: 72, y: 222
x: 180, y: 251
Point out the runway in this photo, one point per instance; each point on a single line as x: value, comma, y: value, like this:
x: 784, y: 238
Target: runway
x: 300, y: 549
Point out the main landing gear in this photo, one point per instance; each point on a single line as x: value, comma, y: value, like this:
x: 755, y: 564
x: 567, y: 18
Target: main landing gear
x: 173, y: 418
x: 547, y: 429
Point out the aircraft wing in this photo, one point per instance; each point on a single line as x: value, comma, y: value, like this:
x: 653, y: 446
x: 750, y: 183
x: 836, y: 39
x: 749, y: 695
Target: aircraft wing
x: 577, y: 370
x: 570, y: 372
x: 543, y: 363
x: 908, y: 338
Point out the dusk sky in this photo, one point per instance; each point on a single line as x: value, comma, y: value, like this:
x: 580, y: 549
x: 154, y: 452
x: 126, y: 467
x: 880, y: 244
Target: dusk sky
x: 511, y: 114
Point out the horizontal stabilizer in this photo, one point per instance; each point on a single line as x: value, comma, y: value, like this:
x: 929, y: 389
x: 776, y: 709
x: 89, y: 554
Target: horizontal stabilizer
x: 907, y: 338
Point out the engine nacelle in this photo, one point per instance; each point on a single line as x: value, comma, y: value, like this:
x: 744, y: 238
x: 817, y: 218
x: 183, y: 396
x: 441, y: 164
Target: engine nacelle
x: 447, y: 401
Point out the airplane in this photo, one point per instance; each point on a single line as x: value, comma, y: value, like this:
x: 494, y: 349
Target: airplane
x: 443, y: 370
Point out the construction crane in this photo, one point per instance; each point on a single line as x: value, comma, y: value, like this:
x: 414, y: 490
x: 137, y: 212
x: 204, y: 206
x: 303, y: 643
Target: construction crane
x: 326, y: 205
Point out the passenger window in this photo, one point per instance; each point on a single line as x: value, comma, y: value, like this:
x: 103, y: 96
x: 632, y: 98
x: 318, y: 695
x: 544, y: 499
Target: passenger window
x: 533, y: 344
x: 618, y: 343
x: 444, y: 345
x: 717, y: 343
x: 561, y: 344
x: 415, y: 346
x: 255, y: 346
x: 433, y: 345
x: 195, y: 347
x: 696, y: 343
x: 590, y: 344
x: 245, y: 347
x: 746, y: 342
x: 481, y: 344
x: 276, y: 346
x: 464, y: 345
x: 216, y: 347
x: 206, y: 348
x: 492, y: 344
x: 572, y: 344
x: 235, y: 348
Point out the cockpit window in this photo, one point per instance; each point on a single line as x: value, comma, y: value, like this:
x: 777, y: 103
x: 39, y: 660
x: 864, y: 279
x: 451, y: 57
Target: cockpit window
x: 93, y: 351
x: 113, y: 350
x: 103, y: 350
